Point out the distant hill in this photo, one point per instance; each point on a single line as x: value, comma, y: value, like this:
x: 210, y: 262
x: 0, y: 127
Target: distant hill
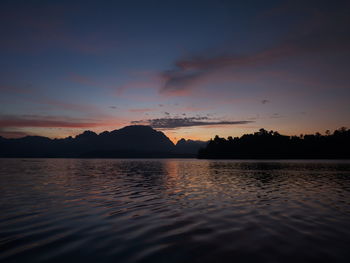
x: 189, y: 146
x: 135, y: 141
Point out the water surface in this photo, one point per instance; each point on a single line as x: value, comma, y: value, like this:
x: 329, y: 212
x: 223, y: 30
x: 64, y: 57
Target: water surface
x: 83, y: 210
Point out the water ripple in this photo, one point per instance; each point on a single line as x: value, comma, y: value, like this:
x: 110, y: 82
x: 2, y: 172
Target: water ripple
x: 69, y: 210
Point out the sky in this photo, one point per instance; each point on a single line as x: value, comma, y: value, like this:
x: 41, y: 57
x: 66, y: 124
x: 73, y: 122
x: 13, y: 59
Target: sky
x: 192, y: 69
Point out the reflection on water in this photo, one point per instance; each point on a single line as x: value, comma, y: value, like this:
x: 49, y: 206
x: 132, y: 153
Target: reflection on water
x: 69, y: 210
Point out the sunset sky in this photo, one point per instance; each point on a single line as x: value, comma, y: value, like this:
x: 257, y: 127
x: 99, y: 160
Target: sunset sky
x: 192, y: 69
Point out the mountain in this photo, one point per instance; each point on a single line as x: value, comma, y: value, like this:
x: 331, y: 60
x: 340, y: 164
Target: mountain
x: 131, y: 141
x: 189, y: 146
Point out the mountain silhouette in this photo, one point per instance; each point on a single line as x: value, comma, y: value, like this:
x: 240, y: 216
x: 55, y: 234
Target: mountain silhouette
x: 189, y: 146
x: 128, y: 142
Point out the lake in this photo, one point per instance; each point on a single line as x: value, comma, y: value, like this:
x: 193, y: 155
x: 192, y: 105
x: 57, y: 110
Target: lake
x: 172, y: 210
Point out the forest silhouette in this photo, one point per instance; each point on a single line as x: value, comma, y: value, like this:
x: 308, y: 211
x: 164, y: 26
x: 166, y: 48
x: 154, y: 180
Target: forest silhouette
x: 272, y: 145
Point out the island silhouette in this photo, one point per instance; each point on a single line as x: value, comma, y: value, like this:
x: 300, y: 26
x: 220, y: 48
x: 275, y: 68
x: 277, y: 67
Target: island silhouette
x: 139, y: 141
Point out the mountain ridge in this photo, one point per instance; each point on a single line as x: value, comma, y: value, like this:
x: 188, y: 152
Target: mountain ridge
x: 129, y: 141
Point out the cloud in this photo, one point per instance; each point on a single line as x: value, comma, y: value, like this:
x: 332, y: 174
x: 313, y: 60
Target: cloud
x: 194, y: 108
x: 176, y: 81
x: 13, y: 134
x: 141, y: 110
x: 8, y: 121
x: 276, y: 116
x: 322, y: 32
x: 171, y: 123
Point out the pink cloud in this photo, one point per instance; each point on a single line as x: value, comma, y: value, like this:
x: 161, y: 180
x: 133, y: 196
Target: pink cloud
x: 141, y: 110
x: 194, y: 109
x: 13, y: 134
x: 45, y: 122
x: 41, y: 121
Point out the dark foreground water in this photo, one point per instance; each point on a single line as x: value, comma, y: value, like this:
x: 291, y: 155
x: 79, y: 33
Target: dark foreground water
x: 71, y: 210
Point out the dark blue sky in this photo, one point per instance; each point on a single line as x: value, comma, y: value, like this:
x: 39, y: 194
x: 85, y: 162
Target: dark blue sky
x: 191, y: 68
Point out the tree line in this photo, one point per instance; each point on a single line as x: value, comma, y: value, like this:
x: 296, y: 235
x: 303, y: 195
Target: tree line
x: 271, y: 144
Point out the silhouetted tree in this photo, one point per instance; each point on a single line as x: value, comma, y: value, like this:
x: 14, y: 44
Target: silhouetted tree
x: 271, y: 144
